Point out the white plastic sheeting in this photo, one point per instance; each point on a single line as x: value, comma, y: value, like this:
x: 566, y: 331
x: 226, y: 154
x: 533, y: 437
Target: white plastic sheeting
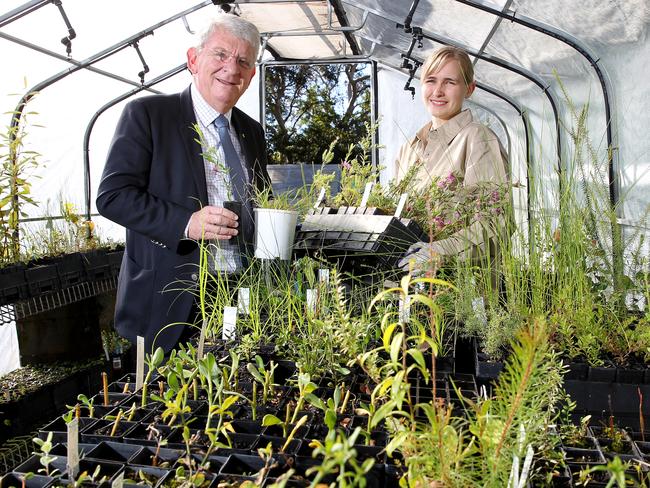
x: 10, y: 355
x: 614, y: 32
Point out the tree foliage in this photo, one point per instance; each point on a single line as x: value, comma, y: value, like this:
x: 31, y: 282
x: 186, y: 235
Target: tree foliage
x: 308, y: 107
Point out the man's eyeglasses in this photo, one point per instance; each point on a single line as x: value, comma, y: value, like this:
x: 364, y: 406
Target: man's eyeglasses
x: 224, y: 56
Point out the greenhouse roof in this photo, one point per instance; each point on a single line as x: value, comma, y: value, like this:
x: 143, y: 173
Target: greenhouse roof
x: 536, y: 64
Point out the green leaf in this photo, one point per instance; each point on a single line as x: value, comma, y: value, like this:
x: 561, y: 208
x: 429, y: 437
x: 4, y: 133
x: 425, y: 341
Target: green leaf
x: 250, y: 367
x: 417, y: 355
x: 395, y: 346
x: 388, y: 334
x: 382, y: 412
x: 158, y: 357
x: 270, y: 419
x: 315, y: 401
x: 330, y: 419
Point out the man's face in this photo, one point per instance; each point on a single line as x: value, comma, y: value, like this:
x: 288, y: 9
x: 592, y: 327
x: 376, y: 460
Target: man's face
x: 443, y: 92
x: 222, y: 69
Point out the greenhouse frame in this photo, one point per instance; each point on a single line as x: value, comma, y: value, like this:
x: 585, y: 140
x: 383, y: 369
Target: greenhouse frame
x: 332, y: 362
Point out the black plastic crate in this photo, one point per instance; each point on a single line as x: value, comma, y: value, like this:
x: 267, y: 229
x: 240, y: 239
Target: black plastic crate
x: 115, y: 261
x: 43, y: 279
x: 13, y: 283
x: 71, y: 269
x: 355, y: 239
x: 97, y: 265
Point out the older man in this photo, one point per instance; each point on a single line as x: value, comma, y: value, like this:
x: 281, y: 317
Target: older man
x: 160, y: 184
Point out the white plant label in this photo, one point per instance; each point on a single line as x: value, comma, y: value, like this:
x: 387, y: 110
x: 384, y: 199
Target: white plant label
x: 324, y: 276
x: 366, y: 194
x: 478, y: 305
x: 139, y: 365
x: 405, y: 309
x: 312, y: 297
x: 244, y: 301
x: 321, y: 197
x: 400, y: 205
x: 118, y: 482
x: 201, y: 346
x: 73, y: 448
x: 229, y: 321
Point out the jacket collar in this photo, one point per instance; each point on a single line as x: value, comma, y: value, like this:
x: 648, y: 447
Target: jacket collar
x: 447, y: 131
x: 192, y: 148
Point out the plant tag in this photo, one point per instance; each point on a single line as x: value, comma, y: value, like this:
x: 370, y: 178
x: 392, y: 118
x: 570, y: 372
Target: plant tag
x: 73, y: 448
x: 201, y: 346
x: 478, y: 305
x: 312, y: 296
x: 366, y: 194
x: 400, y: 205
x: 118, y: 482
x: 139, y: 365
x: 405, y: 309
x: 321, y: 197
x: 117, y: 362
x: 244, y: 301
x: 324, y: 276
x: 229, y: 322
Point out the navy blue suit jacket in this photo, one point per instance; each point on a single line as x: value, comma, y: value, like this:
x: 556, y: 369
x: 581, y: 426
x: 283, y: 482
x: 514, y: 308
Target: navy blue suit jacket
x: 154, y: 179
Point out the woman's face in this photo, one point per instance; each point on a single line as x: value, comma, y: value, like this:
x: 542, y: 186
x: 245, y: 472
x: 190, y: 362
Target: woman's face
x: 443, y: 92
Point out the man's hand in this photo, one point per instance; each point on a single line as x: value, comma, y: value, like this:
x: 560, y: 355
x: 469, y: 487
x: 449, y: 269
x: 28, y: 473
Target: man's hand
x: 213, y: 223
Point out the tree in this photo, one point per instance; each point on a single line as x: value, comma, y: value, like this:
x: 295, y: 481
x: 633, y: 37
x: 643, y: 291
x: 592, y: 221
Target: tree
x: 308, y: 107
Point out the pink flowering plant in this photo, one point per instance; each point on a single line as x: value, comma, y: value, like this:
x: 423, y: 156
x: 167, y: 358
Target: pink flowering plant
x: 447, y: 206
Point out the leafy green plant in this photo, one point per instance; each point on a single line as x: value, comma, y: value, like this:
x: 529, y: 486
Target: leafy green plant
x: 152, y: 361
x: 17, y: 169
x: 211, y: 154
x: 339, y: 459
x: 45, y: 458
x: 263, y: 375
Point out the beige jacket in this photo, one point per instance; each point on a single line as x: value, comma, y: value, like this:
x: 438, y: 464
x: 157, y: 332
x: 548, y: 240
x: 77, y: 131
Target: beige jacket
x: 468, y: 150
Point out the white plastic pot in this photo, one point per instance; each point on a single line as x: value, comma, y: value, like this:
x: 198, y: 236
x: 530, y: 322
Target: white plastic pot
x: 274, y: 233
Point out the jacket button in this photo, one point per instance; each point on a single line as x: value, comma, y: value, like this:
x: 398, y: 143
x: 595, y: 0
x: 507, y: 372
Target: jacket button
x: 195, y: 276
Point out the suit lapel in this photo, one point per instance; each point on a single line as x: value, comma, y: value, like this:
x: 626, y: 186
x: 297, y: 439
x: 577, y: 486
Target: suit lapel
x: 192, y: 149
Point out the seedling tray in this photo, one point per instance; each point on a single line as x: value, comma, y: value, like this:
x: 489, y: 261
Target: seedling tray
x: 355, y: 240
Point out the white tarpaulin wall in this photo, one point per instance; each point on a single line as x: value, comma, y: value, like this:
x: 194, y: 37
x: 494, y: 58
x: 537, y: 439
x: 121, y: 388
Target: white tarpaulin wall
x: 614, y: 32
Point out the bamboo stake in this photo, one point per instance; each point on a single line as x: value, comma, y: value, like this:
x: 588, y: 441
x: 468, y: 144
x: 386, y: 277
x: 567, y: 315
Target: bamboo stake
x: 105, y: 383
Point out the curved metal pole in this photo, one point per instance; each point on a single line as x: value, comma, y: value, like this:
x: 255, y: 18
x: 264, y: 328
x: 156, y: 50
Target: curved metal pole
x: 593, y: 60
x: 17, y: 113
x: 522, y: 72
x: 518, y: 108
x: 497, y: 117
x: 490, y: 59
x: 618, y: 263
x: 529, y: 160
x: 61, y: 57
x: 21, y: 11
x: 15, y: 119
x: 106, y: 106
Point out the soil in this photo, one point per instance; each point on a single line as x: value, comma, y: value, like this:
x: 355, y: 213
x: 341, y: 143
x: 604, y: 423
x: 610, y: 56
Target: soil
x: 28, y: 379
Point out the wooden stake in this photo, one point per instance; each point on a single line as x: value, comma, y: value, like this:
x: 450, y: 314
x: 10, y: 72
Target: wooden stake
x: 105, y: 383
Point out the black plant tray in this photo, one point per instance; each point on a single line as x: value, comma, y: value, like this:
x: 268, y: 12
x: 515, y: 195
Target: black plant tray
x: 13, y: 283
x: 603, y: 399
x: 52, y: 274
x: 355, y: 241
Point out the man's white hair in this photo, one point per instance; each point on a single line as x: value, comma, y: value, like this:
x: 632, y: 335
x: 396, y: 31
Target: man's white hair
x: 234, y: 25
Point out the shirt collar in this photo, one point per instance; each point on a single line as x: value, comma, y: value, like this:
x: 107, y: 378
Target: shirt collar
x: 203, y: 110
x: 449, y: 130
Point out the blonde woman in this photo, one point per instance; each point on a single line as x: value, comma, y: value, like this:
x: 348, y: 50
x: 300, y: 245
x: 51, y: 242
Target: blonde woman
x: 452, y: 147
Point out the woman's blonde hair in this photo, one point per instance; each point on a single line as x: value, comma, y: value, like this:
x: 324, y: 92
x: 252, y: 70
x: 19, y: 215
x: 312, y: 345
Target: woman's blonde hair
x: 440, y: 56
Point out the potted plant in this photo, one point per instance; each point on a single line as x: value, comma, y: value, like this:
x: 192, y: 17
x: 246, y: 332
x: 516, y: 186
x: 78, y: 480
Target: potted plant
x: 276, y: 217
